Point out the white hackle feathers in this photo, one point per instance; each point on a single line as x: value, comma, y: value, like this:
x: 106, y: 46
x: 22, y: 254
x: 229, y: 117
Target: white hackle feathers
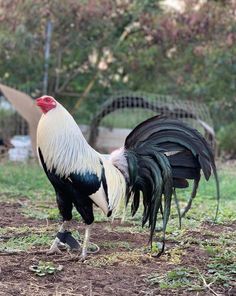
x: 116, y: 184
x: 116, y: 189
x: 63, y: 145
x: 118, y: 159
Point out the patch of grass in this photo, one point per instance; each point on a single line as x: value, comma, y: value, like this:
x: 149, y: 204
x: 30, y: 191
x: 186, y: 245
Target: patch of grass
x: 25, y: 243
x: 29, y: 181
x: 176, y: 278
x: 191, y: 279
x: 174, y: 255
x: 13, y: 230
x: 222, y: 265
x: 99, y: 216
x: 41, y: 213
x: 130, y: 229
x: 204, y: 204
x: 134, y: 257
x: 21, y: 230
x: 27, y: 184
x: 207, y: 189
x: 44, y: 210
x: 222, y: 274
x: 115, y: 245
x: 25, y: 180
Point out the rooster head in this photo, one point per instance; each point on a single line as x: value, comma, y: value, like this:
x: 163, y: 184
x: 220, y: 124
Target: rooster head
x: 46, y: 103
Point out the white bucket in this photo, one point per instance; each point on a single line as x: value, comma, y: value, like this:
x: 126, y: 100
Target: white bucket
x: 21, y: 150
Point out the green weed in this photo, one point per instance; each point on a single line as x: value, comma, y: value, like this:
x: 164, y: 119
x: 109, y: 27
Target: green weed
x: 45, y: 268
x: 176, y: 278
x: 222, y: 267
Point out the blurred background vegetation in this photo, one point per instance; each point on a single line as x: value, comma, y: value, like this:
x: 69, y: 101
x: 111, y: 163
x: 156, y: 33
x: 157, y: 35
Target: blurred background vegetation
x: 101, y: 46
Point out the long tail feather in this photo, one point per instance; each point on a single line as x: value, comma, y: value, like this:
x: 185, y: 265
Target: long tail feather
x: 193, y: 194
x: 178, y: 209
x: 162, y: 154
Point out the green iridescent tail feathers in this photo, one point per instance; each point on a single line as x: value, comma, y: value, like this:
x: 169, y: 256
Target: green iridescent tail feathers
x: 162, y: 155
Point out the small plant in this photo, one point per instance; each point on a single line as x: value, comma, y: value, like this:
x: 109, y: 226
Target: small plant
x: 45, y: 268
x: 176, y: 278
x: 222, y: 267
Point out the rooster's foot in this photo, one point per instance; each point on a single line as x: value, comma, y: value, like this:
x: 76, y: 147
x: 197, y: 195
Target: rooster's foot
x: 82, y: 257
x: 66, y: 238
x: 62, y: 241
x: 92, y: 249
x: 54, y: 249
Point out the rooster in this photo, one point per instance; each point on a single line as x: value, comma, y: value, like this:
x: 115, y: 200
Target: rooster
x: 159, y: 155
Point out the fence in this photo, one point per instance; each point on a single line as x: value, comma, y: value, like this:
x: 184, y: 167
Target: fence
x: 127, y: 109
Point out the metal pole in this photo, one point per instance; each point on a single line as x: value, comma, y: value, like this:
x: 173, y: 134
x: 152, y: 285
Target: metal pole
x: 48, y: 31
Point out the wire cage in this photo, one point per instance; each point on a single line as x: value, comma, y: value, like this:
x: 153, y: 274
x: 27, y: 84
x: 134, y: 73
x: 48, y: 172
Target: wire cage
x: 11, y: 124
x: 127, y: 109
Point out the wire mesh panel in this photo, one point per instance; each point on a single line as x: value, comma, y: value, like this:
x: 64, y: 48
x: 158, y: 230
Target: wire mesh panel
x: 126, y: 118
x: 127, y: 109
x: 21, y: 126
x: 11, y: 123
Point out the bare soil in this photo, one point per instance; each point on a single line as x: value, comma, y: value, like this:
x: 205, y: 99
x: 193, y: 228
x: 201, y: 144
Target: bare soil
x: 118, y: 269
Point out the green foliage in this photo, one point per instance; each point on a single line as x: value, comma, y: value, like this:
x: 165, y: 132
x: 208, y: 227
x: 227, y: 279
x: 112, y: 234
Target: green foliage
x: 221, y: 271
x: 4, y: 114
x: 45, y: 268
x: 183, y: 53
x: 227, y: 138
x: 25, y: 243
x: 41, y: 212
x: 222, y: 263
x: 176, y: 278
x: 115, y: 245
x: 45, y: 211
x: 26, y: 178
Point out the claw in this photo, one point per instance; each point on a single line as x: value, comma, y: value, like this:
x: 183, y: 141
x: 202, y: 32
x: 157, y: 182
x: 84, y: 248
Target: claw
x: 85, y: 252
x: 54, y: 250
x: 82, y: 257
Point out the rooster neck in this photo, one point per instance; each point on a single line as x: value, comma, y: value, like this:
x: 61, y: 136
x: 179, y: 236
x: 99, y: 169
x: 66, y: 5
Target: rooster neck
x: 63, y: 145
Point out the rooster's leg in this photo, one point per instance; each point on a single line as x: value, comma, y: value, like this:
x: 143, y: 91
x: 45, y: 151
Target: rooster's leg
x: 63, y: 237
x: 86, y: 242
x: 55, y: 245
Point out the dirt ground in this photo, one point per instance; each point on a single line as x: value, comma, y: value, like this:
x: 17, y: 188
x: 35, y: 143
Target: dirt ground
x: 120, y: 268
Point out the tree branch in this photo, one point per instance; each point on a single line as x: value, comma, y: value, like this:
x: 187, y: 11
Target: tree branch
x: 86, y: 91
